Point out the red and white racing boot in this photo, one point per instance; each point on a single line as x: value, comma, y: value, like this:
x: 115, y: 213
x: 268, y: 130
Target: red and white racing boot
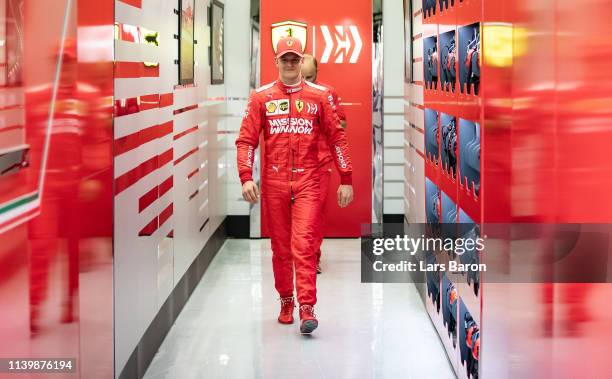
x: 286, y: 312
x: 308, y: 320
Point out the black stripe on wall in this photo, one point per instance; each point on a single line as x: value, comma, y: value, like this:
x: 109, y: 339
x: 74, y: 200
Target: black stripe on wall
x: 238, y: 226
x: 393, y: 218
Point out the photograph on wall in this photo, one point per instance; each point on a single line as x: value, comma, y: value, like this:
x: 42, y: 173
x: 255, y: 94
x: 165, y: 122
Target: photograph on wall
x: 216, y: 42
x: 446, y: 4
x: 408, y: 41
x: 432, y: 208
x: 254, y: 81
x: 448, y: 61
x: 448, y: 218
x: 469, y: 58
x: 186, y: 60
x: 448, y: 137
x: 433, y: 281
x: 470, y: 230
x: 432, y: 205
x: 469, y: 156
x: 469, y: 342
x: 429, y: 8
x: 432, y: 150
x: 430, y: 54
x: 449, y: 210
x: 449, y: 311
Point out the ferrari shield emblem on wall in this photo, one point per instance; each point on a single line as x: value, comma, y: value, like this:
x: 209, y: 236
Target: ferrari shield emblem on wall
x: 289, y: 29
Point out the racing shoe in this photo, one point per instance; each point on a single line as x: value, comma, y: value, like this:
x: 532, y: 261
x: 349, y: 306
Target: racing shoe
x: 286, y: 312
x: 308, y: 320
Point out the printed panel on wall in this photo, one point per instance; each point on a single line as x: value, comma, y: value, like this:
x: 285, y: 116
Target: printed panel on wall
x: 217, y: 42
x: 186, y: 38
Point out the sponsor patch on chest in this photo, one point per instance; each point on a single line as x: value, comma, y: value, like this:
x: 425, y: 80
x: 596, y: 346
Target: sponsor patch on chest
x: 277, y: 107
x: 310, y: 108
x: 291, y: 125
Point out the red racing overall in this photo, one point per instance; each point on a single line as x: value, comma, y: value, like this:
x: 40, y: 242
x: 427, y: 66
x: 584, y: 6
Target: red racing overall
x: 292, y: 119
x: 325, y: 160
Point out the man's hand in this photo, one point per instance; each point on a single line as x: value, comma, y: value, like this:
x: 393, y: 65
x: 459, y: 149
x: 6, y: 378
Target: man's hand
x: 345, y: 195
x: 250, y: 192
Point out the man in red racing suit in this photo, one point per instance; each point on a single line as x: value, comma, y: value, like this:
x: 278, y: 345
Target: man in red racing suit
x: 309, y: 72
x: 292, y: 114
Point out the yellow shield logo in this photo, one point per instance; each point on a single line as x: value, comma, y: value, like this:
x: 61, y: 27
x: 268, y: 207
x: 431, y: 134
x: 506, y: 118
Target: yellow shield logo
x: 289, y: 29
x: 299, y: 104
x: 271, y: 107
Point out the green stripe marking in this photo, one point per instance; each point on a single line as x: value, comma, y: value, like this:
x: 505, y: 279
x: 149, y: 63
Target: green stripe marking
x: 18, y: 203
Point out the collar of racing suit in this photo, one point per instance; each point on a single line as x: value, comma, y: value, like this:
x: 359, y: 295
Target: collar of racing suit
x: 289, y: 89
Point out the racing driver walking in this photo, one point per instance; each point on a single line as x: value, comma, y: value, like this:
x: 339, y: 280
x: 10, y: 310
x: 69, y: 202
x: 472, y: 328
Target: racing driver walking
x: 292, y: 113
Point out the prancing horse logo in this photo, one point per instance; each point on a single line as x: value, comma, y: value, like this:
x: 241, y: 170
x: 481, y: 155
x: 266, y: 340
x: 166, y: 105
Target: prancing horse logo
x: 299, y: 104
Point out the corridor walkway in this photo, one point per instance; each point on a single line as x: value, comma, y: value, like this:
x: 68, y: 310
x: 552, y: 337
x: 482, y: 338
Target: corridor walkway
x: 228, y: 328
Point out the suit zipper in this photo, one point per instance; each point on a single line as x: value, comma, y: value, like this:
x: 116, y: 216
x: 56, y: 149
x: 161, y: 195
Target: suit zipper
x: 292, y: 152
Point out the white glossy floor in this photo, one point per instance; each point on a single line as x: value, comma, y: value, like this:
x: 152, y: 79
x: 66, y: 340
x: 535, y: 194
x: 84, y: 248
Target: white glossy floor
x: 228, y: 329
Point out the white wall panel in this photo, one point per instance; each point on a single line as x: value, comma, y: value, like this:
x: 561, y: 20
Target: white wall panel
x: 414, y: 170
x: 393, y: 138
x: 416, y: 93
x: 394, y: 122
x: 148, y: 267
x: 127, y: 14
x: 132, y: 123
x: 393, y: 155
x: 238, y: 207
x: 417, y: 23
x: 417, y: 72
x: 393, y: 43
x: 131, y: 159
x: 393, y: 117
x: 165, y: 274
x: 233, y: 125
x: 237, y: 84
x: 133, y: 87
x: 394, y: 105
x: 130, y: 52
x: 417, y: 49
x: 419, y: 166
x: 393, y: 206
x: 236, y: 104
x: 394, y: 189
x: 184, y: 145
x: 185, y: 97
x: 417, y: 139
x: 394, y: 173
x: 184, y: 121
x: 418, y: 117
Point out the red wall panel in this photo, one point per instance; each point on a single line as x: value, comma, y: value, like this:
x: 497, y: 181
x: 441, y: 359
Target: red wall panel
x: 546, y: 135
x: 353, y: 82
x: 544, y: 109
x: 56, y: 268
